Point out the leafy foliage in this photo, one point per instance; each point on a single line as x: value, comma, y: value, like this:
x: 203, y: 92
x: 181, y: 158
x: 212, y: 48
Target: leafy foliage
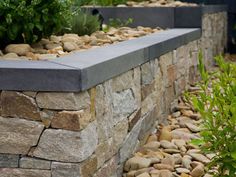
x: 30, y: 20
x: 217, y: 105
x: 84, y: 23
x: 101, y: 2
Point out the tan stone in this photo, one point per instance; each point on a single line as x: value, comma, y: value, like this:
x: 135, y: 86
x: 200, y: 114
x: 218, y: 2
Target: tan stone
x: 16, y: 104
x: 152, y: 138
x: 154, y: 146
x: 165, y: 173
x: 169, y: 160
x: 136, y: 163
x: 88, y: 167
x: 63, y: 101
x: 163, y: 167
x: 165, y: 134
x: 72, y: 120
x: 19, y: 49
x: 144, y: 175
x: 197, y: 171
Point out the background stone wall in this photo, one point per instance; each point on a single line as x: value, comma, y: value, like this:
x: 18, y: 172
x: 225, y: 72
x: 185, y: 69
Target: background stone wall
x: 92, y: 133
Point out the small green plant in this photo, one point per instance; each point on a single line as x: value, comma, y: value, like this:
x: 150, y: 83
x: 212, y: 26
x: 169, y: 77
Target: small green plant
x: 119, y: 23
x: 101, y: 2
x: 30, y: 20
x: 84, y: 23
x: 217, y: 106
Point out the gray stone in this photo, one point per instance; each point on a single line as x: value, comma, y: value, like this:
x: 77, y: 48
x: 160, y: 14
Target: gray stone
x: 33, y: 163
x: 130, y: 142
x: 13, y: 172
x: 9, y: 160
x: 63, y: 101
x: 124, y: 104
x: 104, y: 111
x: 65, y: 169
x: 17, y: 136
x: 147, y: 73
x: 67, y: 146
x: 122, y: 82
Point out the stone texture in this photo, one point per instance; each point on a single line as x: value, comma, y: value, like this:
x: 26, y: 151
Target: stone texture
x: 9, y: 161
x: 65, y: 169
x: 136, y: 163
x: 147, y: 73
x: 63, y: 101
x: 103, y: 106
x: 108, y: 169
x: 16, y: 104
x: 119, y: 133
x: 67, y: 146
x: 89, y: 167
x: 130, y: 142
x: 13, y: 172
x: 19, y: 49
x: 33, y: 163
x: 124, y: 104
x: 72, y: 120
x: 17, y: 136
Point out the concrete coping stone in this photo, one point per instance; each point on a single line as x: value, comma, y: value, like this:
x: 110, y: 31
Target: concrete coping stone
x: 82, y: 70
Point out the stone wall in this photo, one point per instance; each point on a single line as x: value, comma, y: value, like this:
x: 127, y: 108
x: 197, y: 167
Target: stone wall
x: 92, y: 133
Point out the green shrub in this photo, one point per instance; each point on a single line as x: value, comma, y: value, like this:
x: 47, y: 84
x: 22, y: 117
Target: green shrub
x: 119, y: 23
x: 30, y: 20
x: 84, y: 23
x: 217, y: 106
x: 101, y: 2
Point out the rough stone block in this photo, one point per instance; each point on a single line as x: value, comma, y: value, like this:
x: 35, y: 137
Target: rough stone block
x: 171, y: 74
x: 130, y: 142
x: 89, y: 167
x: 134, y: 118
x: 33, y: 163
x: 16, y: 104
x: 9, y: 161
x: 17, y: 136
x: 67, y: 146
x: 72, y: 120
x: 10, y: 172
x: 63, y: 101
x: 109, y: 168
x: 124, y: 104
x: 65, y: 169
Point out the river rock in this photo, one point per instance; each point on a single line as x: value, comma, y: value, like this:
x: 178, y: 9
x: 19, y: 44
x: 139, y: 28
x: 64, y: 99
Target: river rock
x: 136, y: 163
x: 168, y: 145
x: 19, y: 49
x: 197, y: 171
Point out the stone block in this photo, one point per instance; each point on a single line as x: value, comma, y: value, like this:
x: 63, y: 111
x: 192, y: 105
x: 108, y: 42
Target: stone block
x: 63, y: 101
x: 124, y: 104
x: 171, y: 74
x: 9, y: 160
x: 65, y: 169
x: 123, y: 81
x: 33, y: 163
x: 147, y: 90
x: 72, y: 120
x: 109, y: 168
x: 120, y: 132
x: 148, y: 123
x: 67, y: 146
x: 134, y: 118
x: 10, y: 172
x: 89, y: 167
x: 16, y: 104
x: 17, y: 136
x: 130, y: 142
x: 147, y: 73
x: 104, y: 151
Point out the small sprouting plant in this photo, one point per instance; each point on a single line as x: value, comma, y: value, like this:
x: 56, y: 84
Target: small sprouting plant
x: 84, y: 23
x: 119, y: 22
x: 217, y: 106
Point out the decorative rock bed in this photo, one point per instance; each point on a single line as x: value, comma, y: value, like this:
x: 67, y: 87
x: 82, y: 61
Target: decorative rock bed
x: 57, y: 46
x: 168, y: 151
x: 86, y: 113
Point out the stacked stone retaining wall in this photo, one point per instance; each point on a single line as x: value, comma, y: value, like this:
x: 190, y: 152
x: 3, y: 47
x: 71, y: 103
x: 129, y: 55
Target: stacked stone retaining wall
x: 92, y: 133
